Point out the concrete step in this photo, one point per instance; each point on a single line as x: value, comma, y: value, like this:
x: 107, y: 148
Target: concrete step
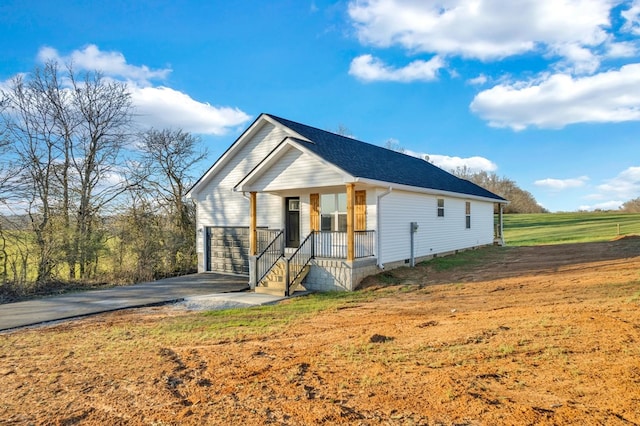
x: 274, y: 278
x: 276, y: 274
x: 274, y: 282
x: 271, y: 291
x: 277, y: 291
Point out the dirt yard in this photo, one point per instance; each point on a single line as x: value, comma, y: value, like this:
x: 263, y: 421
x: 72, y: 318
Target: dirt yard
x: 530, y: 335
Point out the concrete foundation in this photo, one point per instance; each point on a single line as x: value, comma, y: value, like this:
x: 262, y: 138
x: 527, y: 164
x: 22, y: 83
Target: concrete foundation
x: 337, y: 274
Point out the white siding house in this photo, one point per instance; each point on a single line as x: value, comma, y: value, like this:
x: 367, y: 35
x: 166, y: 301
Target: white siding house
x: 348, y: 205
x: 435, y: 234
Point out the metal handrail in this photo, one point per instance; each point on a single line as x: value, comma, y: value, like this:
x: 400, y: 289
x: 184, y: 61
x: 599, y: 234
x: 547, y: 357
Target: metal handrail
x: 269, y: 256
x: 298, y: 260
x: 264, y: 237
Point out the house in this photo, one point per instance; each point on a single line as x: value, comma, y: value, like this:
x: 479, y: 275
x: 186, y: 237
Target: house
x: 289, y: 203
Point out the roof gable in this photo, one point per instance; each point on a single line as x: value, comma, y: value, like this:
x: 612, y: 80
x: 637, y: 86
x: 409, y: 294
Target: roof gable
x: 231, y: 152
x: 288, y: 166
x: 368, y: 161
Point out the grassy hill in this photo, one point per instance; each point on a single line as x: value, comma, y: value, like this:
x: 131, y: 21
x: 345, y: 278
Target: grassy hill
x: 560, y: 228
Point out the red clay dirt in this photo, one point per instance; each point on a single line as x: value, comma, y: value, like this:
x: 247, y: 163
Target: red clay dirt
x: 529, y: 335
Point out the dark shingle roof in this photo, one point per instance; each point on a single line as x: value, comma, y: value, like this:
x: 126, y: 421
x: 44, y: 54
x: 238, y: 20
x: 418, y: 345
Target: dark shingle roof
x: 364, y: 160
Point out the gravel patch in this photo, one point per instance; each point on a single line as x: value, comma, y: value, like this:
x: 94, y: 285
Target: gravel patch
x: 220, y: 301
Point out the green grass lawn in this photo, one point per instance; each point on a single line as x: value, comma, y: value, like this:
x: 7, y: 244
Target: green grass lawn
x: 560, y: 228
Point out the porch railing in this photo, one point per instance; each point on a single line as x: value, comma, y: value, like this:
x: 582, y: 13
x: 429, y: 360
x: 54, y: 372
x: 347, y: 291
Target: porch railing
x: 264, y: 237
x: 298, y: 260
x: 333, y: 244
x: 269, y: 255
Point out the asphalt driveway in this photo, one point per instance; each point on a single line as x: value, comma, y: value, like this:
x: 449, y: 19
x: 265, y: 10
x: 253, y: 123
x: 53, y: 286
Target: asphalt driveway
x: 72, y: 305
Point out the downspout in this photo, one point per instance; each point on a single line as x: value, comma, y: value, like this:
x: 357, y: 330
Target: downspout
x: 379, y: 225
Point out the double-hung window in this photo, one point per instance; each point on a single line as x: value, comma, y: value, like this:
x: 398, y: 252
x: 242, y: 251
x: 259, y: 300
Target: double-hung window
x: 467, y: 208
x: 333, y: 212
x: 440, y: 207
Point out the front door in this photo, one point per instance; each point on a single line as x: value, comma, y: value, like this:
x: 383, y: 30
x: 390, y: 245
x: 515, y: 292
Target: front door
x: 292, y: 225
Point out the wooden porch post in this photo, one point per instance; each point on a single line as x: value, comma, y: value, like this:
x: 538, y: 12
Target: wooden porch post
x: 350, y: 221
x: 500, y: 220
x: 253, y: 236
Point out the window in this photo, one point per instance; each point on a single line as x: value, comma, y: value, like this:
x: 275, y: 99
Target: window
x: 467, y: 211
x: 440, y: 207
x: 333, y: 212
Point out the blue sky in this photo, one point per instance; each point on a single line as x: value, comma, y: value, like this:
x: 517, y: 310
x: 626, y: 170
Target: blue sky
x: 544, y: 92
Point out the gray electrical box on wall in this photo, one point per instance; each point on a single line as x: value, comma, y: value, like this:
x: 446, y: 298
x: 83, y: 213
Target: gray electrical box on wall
x: 414, y: 229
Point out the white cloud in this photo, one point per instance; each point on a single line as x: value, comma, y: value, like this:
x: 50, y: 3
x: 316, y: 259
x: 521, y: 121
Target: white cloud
x: 625, y: 186
x: 622, y: 49
x: 632, y: 17
x: 156, y: 106
x: 607, y: 205
x: 594, y: 197
x: 577, y: 59
x: 8, y: 83
x: 368, y: 68
x: 618, y: 190
x: 478, y: 81
x: 562, y: 184
x: 474, y: 164
x: 113, y: 64
x: 575, y: 37
x: 486, y: 30
x: 557, y: 100
x: 162, y: 107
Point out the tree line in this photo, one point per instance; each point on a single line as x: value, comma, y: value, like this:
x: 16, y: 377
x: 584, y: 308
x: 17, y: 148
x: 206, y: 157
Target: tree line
x: 631, y: 206
x: 84, y: 195
x: 520, y: 201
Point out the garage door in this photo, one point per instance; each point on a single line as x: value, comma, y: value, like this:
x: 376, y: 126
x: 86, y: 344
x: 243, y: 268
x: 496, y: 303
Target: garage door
x: 228, y: 249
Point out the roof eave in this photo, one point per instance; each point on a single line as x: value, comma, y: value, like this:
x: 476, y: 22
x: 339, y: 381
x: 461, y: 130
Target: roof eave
x: 224, y: 157
x: 431, y: 191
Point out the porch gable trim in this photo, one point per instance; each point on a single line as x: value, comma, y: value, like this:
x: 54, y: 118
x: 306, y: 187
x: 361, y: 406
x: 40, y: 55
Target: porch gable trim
x: 260, y: 121
x: 276, y: 154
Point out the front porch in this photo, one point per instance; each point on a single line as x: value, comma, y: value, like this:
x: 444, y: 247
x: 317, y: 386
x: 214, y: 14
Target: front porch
x: 320, y: 261
x: 322, y: 241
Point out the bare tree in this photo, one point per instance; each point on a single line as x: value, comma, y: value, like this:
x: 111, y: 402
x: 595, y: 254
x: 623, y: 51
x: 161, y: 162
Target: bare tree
x: 67, y: 120
x: 29, y: 124
x: 104, y: 109
x: 70, y: 133
x: 170, y: 156
x: 4, y: 176
x: 67, y: 130
x: 631, y: 206
x: 7, y: 162
x: 138, y: 243
x: 394, y: 145
x: 342, y: 130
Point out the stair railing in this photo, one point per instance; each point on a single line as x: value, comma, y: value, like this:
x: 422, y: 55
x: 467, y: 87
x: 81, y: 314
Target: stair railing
x: 296, y: 263
x: 269, y: 256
